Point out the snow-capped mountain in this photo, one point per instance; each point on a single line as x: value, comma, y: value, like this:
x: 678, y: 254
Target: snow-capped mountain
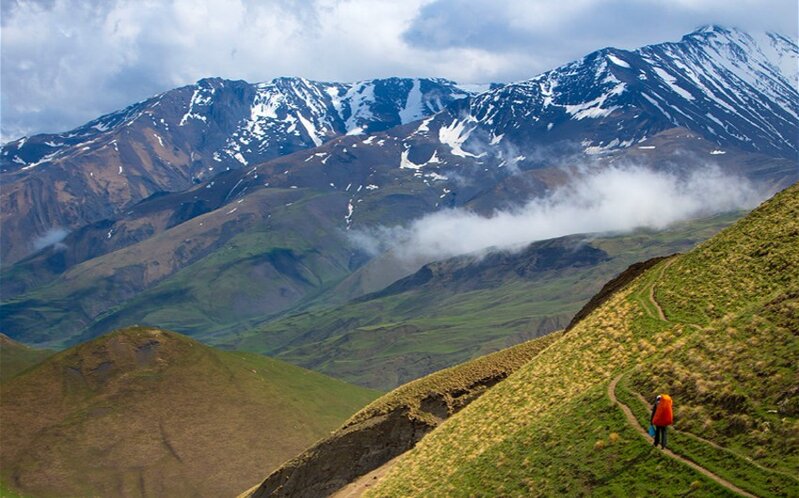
x: 316, y: 112
x: 234, y: 123
x: 733, y: 88
x: 736, y: 91
x: 184, y: 136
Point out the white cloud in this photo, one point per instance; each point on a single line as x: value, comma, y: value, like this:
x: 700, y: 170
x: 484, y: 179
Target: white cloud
x: 52, y: 237
x: 67, y: 61
x: 611, y: 200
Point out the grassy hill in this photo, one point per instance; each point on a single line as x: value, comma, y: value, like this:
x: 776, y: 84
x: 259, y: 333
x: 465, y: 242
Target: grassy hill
x: 145, y: 412
x: 716, y: 328
x: 394, y: 423
x: 16, y: 357
x: 461, y: 308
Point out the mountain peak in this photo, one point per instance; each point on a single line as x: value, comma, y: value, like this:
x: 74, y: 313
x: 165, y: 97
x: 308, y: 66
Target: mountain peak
x: 712, y: 28
x: 758, y: 40
x: 132, y: 349
x: 731, y: 87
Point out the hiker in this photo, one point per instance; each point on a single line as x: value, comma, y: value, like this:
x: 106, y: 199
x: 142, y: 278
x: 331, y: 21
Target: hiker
x: 661, y: 418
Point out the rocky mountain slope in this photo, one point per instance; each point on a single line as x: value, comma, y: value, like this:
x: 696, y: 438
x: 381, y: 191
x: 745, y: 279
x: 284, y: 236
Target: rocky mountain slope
x: 144, y: 412
x: 183, y: 136
x: 572, y: 419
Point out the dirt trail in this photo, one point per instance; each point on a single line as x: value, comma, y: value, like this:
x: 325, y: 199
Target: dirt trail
x: 652, y: 299
x: 632, y: 421
x: 718, y: 446
x: 358, y: 487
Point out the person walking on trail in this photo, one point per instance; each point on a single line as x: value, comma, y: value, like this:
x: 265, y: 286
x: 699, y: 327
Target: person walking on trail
x: 661, y: 418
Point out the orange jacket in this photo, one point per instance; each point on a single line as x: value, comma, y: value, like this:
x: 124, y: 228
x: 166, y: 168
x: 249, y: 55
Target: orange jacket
x: 663, y: 414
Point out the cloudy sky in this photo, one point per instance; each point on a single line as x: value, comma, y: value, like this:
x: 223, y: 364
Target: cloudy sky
x: 64, y: 62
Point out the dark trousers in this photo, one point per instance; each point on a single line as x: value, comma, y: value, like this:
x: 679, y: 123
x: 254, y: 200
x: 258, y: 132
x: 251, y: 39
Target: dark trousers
x: 660, y: 436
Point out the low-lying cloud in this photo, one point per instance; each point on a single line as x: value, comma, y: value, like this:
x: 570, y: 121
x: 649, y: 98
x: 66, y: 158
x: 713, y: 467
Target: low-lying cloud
x: 616, y: 199
x: 52, y: 237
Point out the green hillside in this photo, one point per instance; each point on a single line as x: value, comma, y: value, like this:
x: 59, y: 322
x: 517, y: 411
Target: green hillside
x: 208, y: 274
x: 387, y: 340
x: 145, y: 412
x: 16, y: 357
x: 715, y: 328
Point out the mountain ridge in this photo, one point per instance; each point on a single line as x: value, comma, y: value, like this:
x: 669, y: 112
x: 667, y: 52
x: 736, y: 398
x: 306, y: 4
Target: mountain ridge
x: 733, y: 89
x: 185, y: 136
x: 705, y: 79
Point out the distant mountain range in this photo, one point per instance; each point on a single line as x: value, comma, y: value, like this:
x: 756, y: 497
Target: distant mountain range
x: 733, y: 88
x: 187, y: 135
x: 216, y: 207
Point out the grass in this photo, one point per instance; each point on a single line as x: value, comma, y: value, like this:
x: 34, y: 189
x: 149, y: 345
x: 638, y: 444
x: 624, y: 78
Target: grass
x: 736, y: 381
x: 733, y: 466
x: 145, y: 411
x: 543, y: 430
x: 539, y: 460
x: 8, y: 493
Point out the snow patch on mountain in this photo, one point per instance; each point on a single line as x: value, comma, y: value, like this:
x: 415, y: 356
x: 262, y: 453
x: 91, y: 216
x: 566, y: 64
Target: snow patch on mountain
x: 612, y: 58
x: 594, y: 108
x: 202, y: 97
x: 413, y: 109
x: 455, y: 135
